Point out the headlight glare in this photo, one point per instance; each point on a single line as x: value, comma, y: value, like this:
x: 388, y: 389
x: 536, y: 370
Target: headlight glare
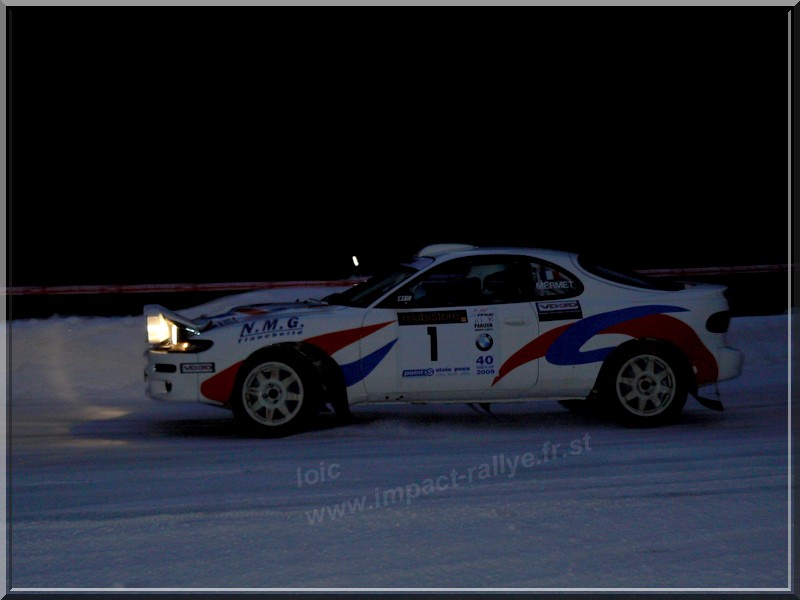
x: 170, y: 333
x: 159, y: 330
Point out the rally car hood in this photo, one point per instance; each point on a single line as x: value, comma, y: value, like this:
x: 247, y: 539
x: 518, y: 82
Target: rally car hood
x: 251, y: 312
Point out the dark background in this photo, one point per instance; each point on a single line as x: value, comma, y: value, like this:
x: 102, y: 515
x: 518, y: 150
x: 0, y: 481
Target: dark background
x: 212, y: 144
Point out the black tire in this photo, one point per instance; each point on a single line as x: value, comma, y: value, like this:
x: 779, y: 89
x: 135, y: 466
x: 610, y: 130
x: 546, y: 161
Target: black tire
x: 645, y: 384
x: 277, y: 392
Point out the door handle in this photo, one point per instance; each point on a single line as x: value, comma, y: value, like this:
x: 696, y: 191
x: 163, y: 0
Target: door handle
x: 516, y: 321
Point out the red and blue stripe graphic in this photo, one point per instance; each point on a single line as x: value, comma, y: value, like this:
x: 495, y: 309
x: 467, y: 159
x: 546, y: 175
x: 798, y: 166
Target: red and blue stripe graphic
x: 562, y: 345
x: 220, y: 386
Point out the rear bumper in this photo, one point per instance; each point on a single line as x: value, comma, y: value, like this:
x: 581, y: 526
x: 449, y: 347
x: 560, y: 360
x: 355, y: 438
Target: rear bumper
x: 729, y: 363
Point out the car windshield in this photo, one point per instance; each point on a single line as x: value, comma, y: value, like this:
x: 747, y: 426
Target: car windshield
x: 363, y: 294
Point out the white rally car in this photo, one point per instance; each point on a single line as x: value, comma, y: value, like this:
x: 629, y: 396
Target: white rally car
x: 457, y: 323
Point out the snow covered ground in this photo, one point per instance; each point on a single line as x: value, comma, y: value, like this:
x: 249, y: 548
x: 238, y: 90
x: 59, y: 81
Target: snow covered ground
x: 112, y: 490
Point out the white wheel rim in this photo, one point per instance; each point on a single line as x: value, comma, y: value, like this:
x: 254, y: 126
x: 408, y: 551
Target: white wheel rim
x: 272, y: 394
x: 646, y: 385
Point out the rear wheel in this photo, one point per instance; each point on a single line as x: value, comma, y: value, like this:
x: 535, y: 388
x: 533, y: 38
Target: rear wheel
x: 646, y: 384
x: 276, y: 393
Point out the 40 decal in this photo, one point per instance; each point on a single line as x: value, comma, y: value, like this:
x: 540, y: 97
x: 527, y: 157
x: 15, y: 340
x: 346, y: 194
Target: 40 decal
x: 484, y: 365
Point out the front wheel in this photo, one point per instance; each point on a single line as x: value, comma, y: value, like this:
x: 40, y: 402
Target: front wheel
x: 276, y: 394
x: 646, y: 385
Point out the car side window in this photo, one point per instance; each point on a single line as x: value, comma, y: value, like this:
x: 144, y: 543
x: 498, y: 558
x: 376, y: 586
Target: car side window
x: 470, y: 281
x: 552, y: 281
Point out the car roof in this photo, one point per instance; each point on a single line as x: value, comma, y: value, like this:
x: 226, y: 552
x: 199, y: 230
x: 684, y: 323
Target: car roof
x: 446, y: 251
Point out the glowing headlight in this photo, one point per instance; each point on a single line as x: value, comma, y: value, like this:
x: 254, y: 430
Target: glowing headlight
x: 171, y: 333
x: 159, y: 329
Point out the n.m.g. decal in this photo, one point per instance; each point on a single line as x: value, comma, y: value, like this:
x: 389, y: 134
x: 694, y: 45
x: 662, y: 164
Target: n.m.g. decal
x: 270, y: 328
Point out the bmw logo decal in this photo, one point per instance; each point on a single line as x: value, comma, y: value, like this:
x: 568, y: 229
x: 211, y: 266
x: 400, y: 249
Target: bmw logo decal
x: 484, y: 342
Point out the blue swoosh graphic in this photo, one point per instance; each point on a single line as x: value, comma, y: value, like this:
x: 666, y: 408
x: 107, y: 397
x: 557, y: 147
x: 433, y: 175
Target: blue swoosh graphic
x: 565, y: 350
x: 356, y: 371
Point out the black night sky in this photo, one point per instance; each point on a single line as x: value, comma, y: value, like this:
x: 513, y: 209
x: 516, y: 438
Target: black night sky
x: 210, y: 144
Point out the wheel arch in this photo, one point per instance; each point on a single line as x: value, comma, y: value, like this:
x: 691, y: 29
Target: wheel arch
x: 330, y: 373
x: 630, y: 345
x: 326, y: 368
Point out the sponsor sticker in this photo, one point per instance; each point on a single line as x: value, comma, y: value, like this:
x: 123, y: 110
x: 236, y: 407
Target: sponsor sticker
x: 270, y: 328
x: 484, y: 365
x: 559, y: 310
x: 197, y: 367
x: 437, y: 372
x: 554, y: 285
x: 450, y: 371
x: 484, y: 342
x: 418, y: 373
x: 483, y: 319
x: 435, y: 317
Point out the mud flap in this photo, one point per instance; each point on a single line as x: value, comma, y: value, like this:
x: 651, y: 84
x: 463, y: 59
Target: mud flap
x: 483, y: 408
x: 711, y: 403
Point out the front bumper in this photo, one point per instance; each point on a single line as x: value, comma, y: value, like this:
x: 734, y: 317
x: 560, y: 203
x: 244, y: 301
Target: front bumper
x: 172, y: 376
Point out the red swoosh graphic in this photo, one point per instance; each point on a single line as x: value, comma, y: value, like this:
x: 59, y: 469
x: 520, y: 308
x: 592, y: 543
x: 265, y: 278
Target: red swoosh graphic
x: 662, y: 327
x: 220, y: 386
x: 333, y: 342
x: 679, y: 333
x: 530, y: 351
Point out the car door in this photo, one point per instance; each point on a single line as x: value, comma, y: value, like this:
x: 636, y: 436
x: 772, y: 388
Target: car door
x: 455, y: 324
